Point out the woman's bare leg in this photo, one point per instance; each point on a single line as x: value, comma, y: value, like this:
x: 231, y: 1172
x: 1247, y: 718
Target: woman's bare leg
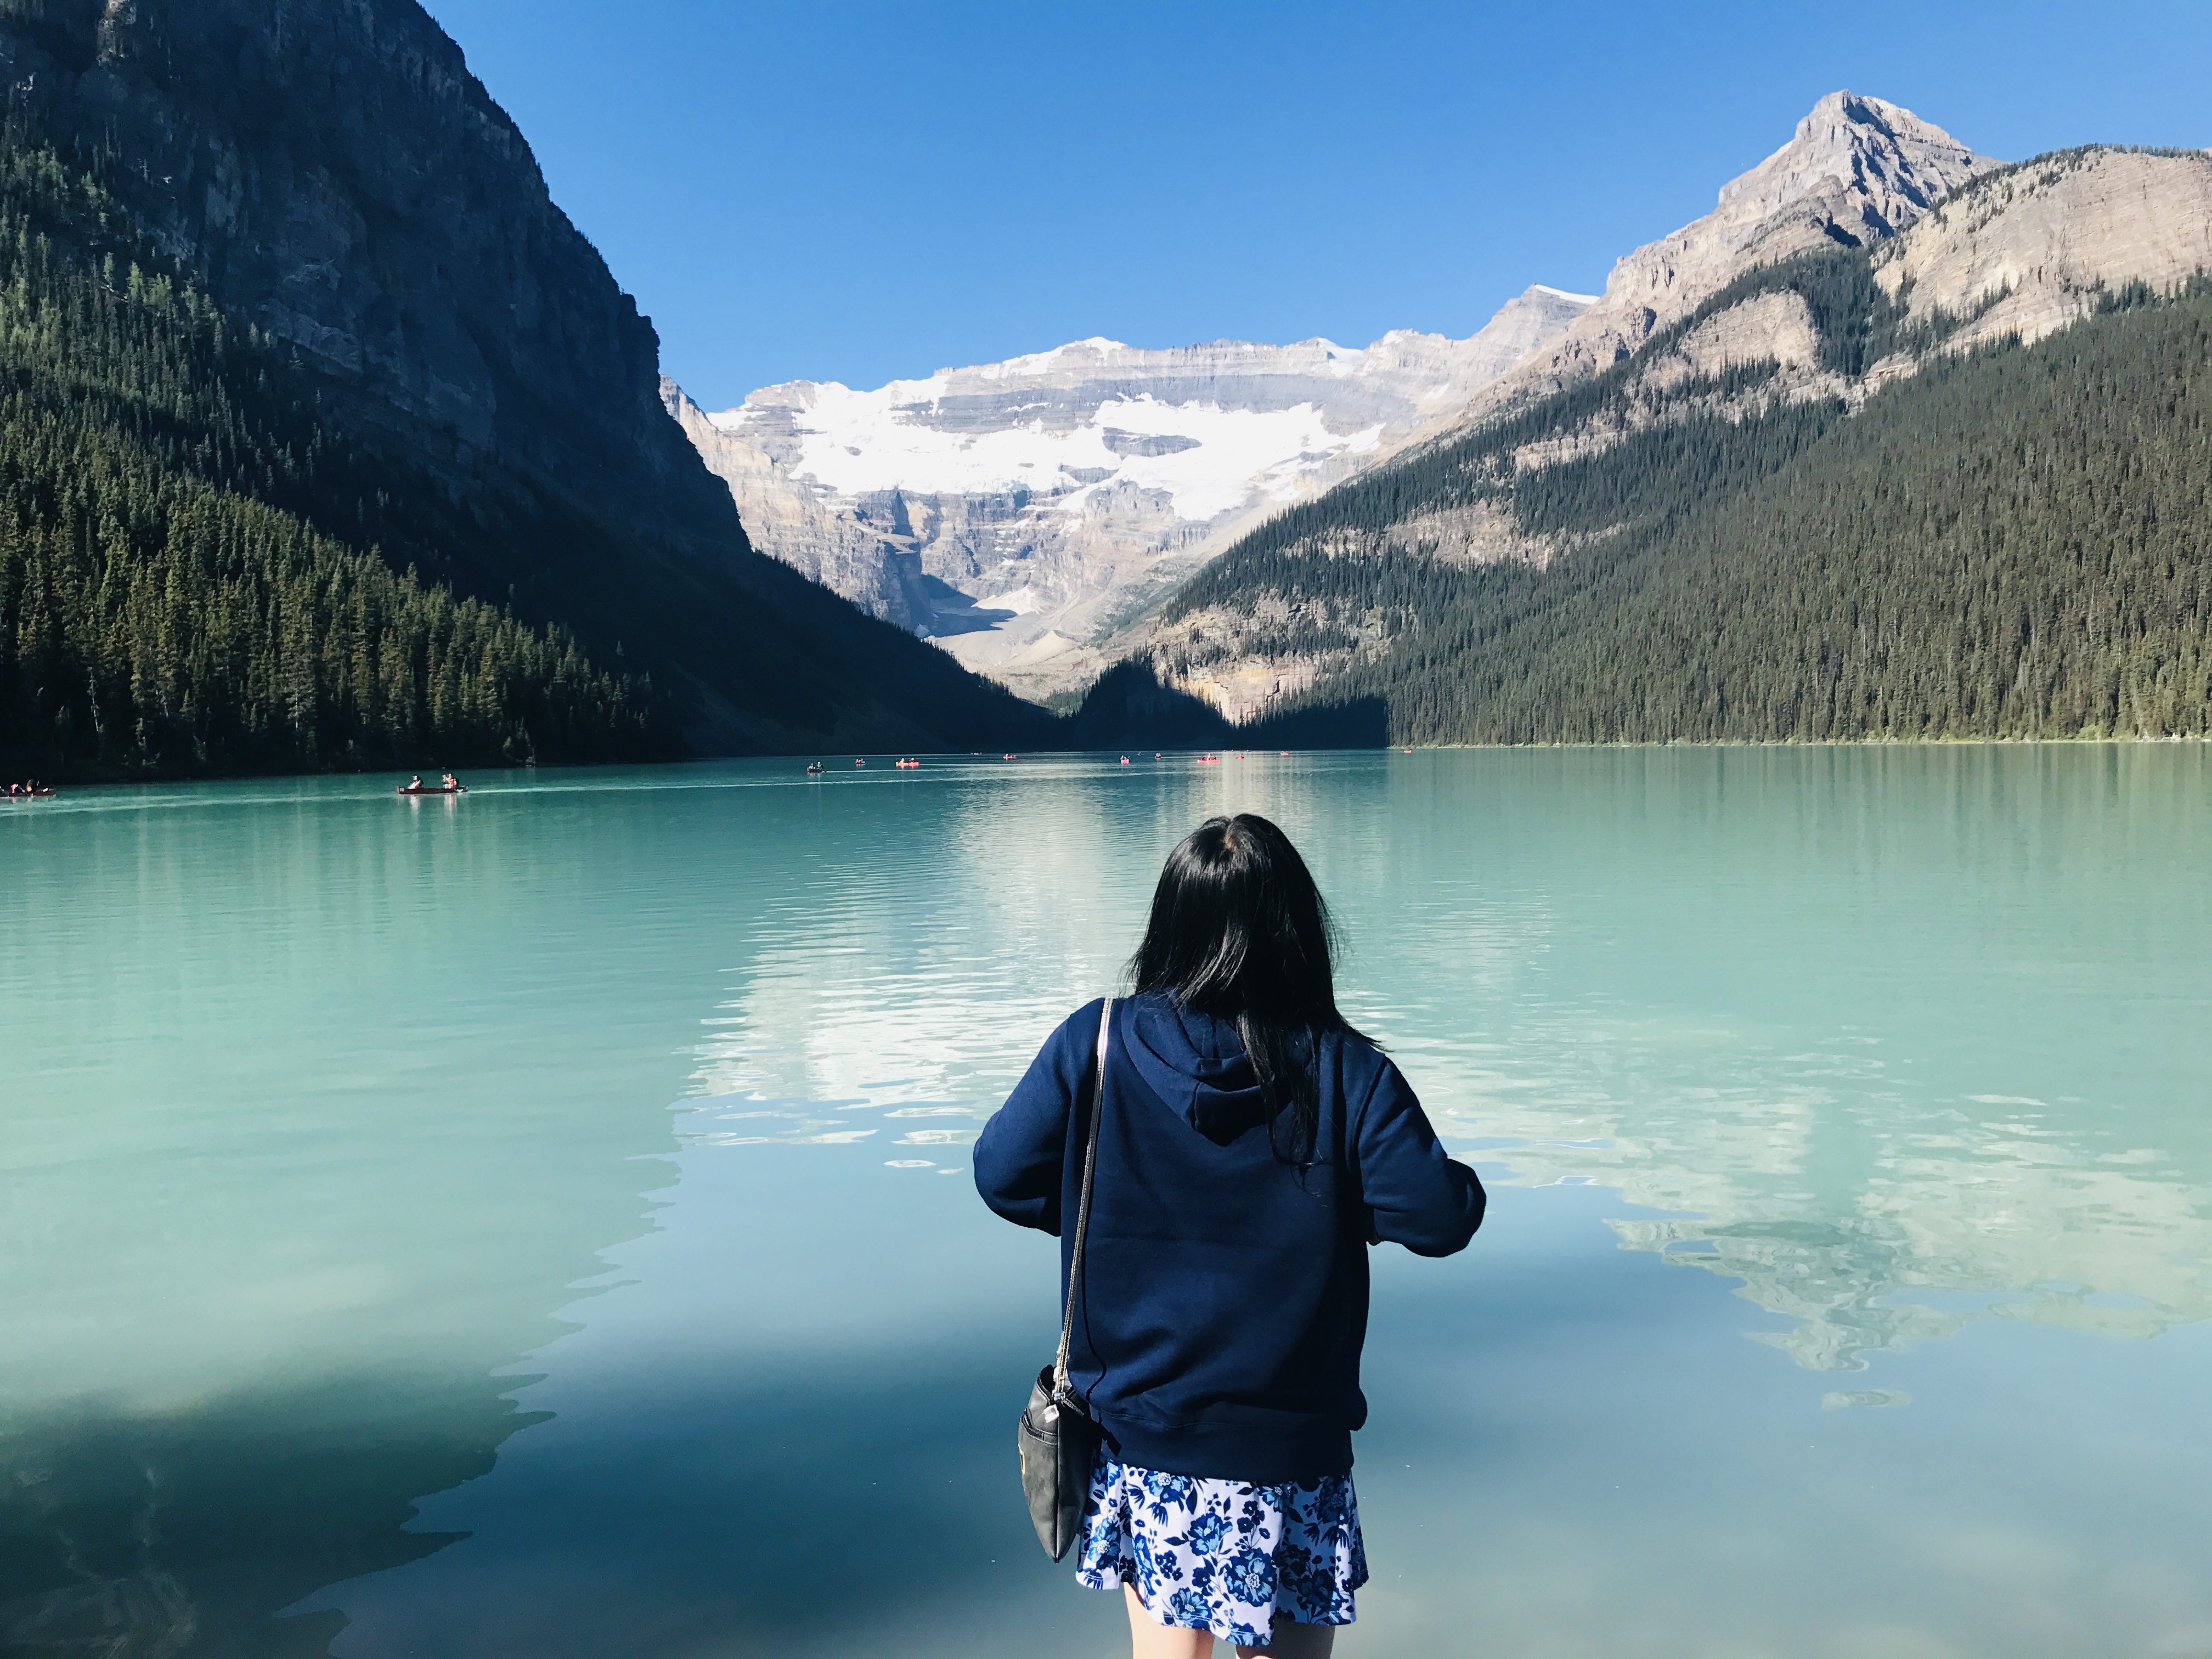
x: 1149, y: 1640
x: 1293, y: 1640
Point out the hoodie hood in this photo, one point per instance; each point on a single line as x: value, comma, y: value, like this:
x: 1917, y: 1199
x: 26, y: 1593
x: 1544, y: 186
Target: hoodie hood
x: 1195, y: 1063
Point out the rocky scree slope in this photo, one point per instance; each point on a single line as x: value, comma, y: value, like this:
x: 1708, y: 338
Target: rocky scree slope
x: 482, y: 399
x: 1012, y: 509
x: 1523, y: 542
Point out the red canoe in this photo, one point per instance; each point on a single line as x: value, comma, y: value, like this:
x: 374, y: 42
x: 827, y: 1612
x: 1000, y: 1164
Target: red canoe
x: 433, y: 789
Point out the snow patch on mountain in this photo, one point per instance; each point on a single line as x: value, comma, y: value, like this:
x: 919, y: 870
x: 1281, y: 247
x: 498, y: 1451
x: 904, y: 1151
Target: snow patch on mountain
x: 1008, y: 508
x: 855, y: 442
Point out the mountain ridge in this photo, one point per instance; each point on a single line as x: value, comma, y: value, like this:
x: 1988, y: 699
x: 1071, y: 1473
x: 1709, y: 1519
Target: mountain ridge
x: 1004, y: 508
x: 1436, y: 592
x: 1013, y: 566
x: 1856, y: 170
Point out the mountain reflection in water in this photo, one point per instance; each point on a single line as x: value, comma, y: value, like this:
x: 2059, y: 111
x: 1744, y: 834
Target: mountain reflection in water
x: 1910, y: 1037
x: 364, y: 1296
x: 188, y: 1530
x: 302, y: 1152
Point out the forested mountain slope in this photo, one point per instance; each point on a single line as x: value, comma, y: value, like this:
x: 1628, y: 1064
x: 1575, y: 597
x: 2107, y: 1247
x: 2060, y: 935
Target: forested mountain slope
x: 362, y: 340
x: 1822, y: 505
x: 159, y: 614
x: 1857, y: 171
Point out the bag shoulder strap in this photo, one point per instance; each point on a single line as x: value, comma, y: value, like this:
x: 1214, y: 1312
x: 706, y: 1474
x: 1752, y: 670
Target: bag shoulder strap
x: 1060, y: 1383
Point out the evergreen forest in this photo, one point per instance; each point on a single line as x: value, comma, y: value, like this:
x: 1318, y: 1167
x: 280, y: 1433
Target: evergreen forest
x: 161, y: 611
x: 2011, y: 543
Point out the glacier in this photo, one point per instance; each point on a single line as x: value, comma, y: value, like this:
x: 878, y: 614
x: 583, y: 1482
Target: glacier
x: 1015, y: 511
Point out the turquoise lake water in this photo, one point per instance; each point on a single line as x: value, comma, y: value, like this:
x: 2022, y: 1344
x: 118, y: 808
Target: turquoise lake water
x: 539, y: 1223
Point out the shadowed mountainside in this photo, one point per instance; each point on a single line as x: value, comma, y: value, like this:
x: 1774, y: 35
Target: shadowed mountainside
x: 426, y: 361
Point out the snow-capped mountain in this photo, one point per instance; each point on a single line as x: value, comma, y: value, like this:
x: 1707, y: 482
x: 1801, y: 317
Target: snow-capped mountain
x: 1009, y: 510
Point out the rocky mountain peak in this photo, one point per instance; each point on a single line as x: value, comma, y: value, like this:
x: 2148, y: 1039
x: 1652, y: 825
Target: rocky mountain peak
x: 1858, y: 170
x: 1881, y: 164
x: 334, y: 174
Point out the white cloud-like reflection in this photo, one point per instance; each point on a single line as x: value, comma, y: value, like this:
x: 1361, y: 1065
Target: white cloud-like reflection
x: 1787, y: 1001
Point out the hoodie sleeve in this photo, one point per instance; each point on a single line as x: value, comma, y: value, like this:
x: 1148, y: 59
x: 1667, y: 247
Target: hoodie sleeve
x: 1023, y: 1151
x: 1421, y: 1197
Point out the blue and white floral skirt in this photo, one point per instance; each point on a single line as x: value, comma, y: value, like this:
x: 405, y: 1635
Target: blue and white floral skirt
x: 1224, y: 1555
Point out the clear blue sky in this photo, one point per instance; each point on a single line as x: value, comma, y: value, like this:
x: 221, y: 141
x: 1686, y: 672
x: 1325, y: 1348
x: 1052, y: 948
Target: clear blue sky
x: 860, y: 190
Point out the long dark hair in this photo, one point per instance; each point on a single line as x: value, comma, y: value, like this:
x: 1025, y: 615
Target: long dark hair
x: 1238, y: 930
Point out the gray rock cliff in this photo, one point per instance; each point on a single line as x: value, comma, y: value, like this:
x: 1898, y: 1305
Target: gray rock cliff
x: 341, y: 180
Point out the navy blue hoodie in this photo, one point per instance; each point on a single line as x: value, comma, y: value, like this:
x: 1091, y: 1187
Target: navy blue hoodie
x: 1224, y: 1291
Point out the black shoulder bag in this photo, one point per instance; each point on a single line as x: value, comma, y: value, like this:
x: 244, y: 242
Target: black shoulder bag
x: 1057, y: 1437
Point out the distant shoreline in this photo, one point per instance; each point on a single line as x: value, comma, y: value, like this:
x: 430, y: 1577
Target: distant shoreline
x: 800, y: 756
